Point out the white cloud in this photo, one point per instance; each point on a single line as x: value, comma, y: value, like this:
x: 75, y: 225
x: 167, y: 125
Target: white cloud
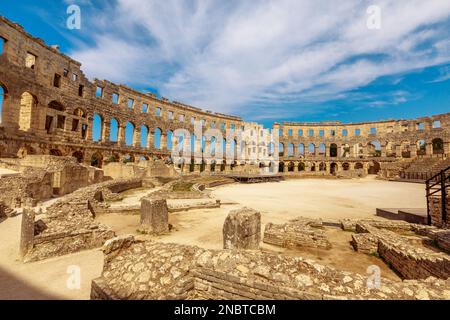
x: 224, y: 55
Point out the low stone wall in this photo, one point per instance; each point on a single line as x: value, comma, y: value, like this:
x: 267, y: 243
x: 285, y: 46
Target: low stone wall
x: 300, y: 232
x: 69, y: 226
x: 152, y: 270
x: 435, y: 210
x: 410, y: 261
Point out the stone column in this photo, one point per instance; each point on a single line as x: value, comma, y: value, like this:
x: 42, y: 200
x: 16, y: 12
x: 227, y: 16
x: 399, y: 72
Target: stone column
x: 121, y: 135
x: 106, y: 131
x: 242, y: 229
x: 429, y: 148
x: 27, y: 232
x: 136, y: 138
x: 163, y: 142
x: 154, y: 216
x: 150, y: 140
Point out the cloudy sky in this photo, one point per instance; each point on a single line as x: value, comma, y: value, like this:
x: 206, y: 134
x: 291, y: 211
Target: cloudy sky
x: 267, y: 61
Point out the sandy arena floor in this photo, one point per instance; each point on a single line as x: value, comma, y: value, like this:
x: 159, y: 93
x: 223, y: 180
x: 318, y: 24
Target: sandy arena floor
x: 277, y: 202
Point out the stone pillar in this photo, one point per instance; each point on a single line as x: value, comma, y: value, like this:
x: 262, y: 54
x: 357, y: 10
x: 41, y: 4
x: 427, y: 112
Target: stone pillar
x: 106, y: 131
x: 429, y: 149
x: 121, y: 135
x: 383, y: 151
x: 413, y: 150
x: 27, y: 232
x: 154, y: 216
x: 163, y: 142
x: 242, y: 229
x: 150, y: 140
x: 136, y: 138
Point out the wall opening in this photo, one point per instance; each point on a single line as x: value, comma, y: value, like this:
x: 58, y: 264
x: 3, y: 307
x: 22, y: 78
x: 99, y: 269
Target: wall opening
x: 157, y: 139
x: 97, y: 160
x: 144, y: 136
x: 129, y: 134
x: 97, y: 128
x: 333, y: 150
x: 113, y: 130
x: 438, y: 146
x: 78, y: 155
x: 27, y: 104
x: 30, y: 60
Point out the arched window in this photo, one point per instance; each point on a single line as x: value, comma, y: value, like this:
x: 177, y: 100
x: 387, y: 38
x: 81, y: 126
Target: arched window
x: 28, y: 104
x: 144, y: 136
x: 438, y: 146
x: 169, y: 140
x: 113, y: 130
x: 301, y: 149
x: 157, y: 139
x: 322, y: 149
x: 97, y: 125
x: 290, y: 150
x: 129, y: 134
x: 311, y: 149
x: 333, y: 150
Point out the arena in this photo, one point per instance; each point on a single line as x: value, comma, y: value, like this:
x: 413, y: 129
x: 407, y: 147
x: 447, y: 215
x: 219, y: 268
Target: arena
x: 110, y: 193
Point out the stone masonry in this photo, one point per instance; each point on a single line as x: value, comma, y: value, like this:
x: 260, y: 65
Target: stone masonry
x: 242, y: 229
x: 154, y: 216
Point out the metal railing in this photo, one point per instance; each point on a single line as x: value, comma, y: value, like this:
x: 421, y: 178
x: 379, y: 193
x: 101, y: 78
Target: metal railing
x: 438, y: 185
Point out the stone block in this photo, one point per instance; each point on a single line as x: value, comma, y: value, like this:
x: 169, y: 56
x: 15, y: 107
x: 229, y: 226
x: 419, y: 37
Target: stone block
x: 242, y: 229
x: 154, y: 216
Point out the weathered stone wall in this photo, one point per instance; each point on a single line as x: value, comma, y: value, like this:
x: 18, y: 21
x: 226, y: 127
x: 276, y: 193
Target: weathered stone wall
x: 152, y: 270
x: 300, y: 232
x: 242, y: 229
x: 435, y: 211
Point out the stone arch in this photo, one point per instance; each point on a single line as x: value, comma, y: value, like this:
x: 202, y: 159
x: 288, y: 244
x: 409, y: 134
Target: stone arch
x: 438, y: 146
x: 311, y: 149
x: 374, y: 148
x: 281, y: 166
x: 291, y: 166
x: 301, y: 166
x: 312, y: 167
x: 25, y: 150
x: 359, y: 165
x: 78, y: 155
x: 169, y: 140
x: 144, y: 131
x: 345, y: 150
x: 157, y: 138
x: 290, y: 150
x: 321, y: 149
x: 322, y: 166
x: 129, y: 133
x: 333, y: 150
x: 281, y: 149
x: 113, y: 130
x: 28, y: 105
x: 97, y: 127
x: 374, y: 167
x: 97, y: 160
x: 333, y: 168
x: 345, y: 166
x: 301, y: 149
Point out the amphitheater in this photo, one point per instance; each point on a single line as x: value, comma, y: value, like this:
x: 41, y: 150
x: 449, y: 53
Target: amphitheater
x: 111, y: 193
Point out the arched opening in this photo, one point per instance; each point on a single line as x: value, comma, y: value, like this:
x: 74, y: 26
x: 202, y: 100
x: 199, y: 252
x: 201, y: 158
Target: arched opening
x: 55, y: 105
x: 290, y: 150
x: 438, y: 146
x: 374, y: 148
x: 322, y: 166
x: 321, y: 149
x: 345, y: 166
x: 291, y: 167
x: 271, y: 149
x: 374, y: 167
x: 313, y: 167
x: 55, y: 152
x: 359, y: 165
x: 169, y: 142
x: 97, y: 160
x: 78, y: 155
x: 97, y: 128
x: 281, y: 149
x: 28, y: 104
x: 113, y: 130
x: 421, y: 148
x: 128, y: 158
x: 213, y: 166
x: 406, y: 149
x: 144, y: 136
x: 345, y: 150
x: 301, y: 149
x: 312, y: 149
x: 129, y: 134
x: 222, y: 166
x: 333, y: 168
x: 281, y: 167
x: 157, y: 139
x: 301, y: 166
x: 333, y: 150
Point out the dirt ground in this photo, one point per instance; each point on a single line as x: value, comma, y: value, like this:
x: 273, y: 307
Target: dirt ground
x: 277, y: 202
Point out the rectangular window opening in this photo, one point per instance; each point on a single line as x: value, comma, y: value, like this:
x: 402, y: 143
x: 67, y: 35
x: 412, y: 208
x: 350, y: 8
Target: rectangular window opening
x: 57, y: 81
x: 30, y: 60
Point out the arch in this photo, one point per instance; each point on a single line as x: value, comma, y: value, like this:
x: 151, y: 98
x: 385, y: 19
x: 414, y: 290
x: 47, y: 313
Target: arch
x: 405, y: 149
x: 55, y: 152
x: 374, y: 167
x: 421, y: 147
x: 345, y: 166
x: 128, y: 158
x: 79, y: 156
x: 333, y: 168
x: 374, y: 148
x: 301, y: 166
x: 313, y: 166
x: 345, y: 150
x: 24, y: 151
x: 291, y: 167
x: 144, y: 136
x: 55, y: 105
x: 438, y: 146
x: 333, y: 150
x: 301, y: 149
x: 28, y: 104
x: 213, y: 166
x: 271, y: 149
x: 79, y: 112
x: 157, y: 138
x: 281, y: 167
x: 290, y: 150
x: 169, y: 142
x: 322, y: 166
x: 97, y: 160
x: 359, y: 165
x: 97, y: 127
x: 321, y: 149
x: 113, y: 130
x: 311, y: 149
x: 129, y: 133
x: 281, y: 150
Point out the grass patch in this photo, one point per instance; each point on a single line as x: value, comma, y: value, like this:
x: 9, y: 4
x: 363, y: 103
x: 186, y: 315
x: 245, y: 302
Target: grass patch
x: 182, y: 186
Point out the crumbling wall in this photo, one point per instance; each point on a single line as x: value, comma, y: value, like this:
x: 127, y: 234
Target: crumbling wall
x: 435, y: 211
x: 152, y: 270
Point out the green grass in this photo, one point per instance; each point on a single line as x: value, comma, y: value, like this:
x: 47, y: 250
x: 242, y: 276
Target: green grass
x: 182, y: 186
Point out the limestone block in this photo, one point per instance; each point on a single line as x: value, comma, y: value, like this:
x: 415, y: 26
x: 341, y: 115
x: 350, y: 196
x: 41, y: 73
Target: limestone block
x: 27, y: 232
x: 242, y: 229
x: 154, y: 216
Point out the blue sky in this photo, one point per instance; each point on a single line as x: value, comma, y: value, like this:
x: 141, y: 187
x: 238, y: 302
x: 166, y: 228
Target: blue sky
x: 295, y: 60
